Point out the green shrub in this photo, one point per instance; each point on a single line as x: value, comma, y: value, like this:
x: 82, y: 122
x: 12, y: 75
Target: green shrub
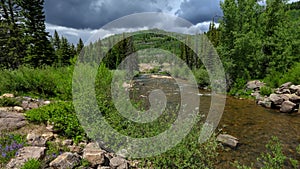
x: 32, y: 164
x: 202, y: 77
x: 62, y: 115
x: 9, y: 102
x: 48, y: 82
x: 293, y: 75
x: 265, y: 91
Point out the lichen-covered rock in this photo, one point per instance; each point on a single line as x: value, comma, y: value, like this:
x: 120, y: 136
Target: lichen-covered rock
x: 65, y: 161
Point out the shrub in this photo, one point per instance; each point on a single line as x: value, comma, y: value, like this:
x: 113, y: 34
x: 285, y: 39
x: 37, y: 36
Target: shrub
x: 48, y: 82
x: 32, y: 164
x: 202, y: 77
x: 9, y: 102
x: 62, y: 115
x: 265, y: 91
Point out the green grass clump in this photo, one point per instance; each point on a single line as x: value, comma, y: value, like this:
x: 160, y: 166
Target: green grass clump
x: 62, y: 115
x: 266, y: 91
x: 9, y: 102
x: 32, y: 164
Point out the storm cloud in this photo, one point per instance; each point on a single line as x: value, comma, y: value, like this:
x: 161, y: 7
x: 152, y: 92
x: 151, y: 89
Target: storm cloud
x: 96, y: 13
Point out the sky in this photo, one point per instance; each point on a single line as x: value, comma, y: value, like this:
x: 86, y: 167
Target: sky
x: 76, y: 19
x: 81, y: 18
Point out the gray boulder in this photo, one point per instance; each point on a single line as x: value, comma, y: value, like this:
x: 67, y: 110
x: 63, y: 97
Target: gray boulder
x: 287, y: 107
x: 11, y: 120
x: 24, y: 155
x: 65, y: 161
x: 228, y: 140
x: 254, y: 85
x: 276, y: 99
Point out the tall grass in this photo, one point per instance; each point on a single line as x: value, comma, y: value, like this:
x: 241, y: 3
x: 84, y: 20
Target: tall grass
x: 48, y: 82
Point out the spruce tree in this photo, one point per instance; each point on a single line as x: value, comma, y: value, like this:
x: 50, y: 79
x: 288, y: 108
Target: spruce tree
x: 39, y: 50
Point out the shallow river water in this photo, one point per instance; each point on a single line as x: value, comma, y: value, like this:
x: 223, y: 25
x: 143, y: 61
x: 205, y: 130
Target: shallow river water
x: 251, y: 124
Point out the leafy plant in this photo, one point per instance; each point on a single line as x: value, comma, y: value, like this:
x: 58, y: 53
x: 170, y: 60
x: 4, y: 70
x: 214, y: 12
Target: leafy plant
x: 265, y: 91
x: 32, y: 164
x: 62, y: 115
x: 8, y: 102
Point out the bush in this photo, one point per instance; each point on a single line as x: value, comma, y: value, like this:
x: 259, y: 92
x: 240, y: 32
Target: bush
x: 48, y: 82
x: 62, y: 115
x: 202, y: 77
x: 9, y: 102
x: 265, y: 91
x: 32, y: 164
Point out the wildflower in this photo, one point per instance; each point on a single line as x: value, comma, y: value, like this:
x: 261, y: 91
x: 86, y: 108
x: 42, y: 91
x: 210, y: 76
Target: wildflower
x: 54, y: 155
x: 4, y: 155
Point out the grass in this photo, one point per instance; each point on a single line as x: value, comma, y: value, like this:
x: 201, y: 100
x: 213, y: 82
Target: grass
x: 48, y: 82
x: 32, y: 164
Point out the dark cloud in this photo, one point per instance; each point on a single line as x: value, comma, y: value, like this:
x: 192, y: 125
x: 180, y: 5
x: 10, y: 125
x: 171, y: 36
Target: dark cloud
x: 197, y: 11
x: 94, y: 13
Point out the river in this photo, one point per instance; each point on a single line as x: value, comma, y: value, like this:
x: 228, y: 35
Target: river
x: 253, y: 125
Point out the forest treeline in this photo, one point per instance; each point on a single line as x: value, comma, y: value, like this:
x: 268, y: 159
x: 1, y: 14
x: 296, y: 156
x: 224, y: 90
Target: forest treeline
x: 255, y: 40
x: 258, y: 41
x: 24, y: 40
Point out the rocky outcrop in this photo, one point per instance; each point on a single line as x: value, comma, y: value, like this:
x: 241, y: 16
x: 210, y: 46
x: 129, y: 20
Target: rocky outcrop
x: 11, y: 120
x: 286, y: 98
x: 24, y: 155
x: 66, y: 160
x: 254, y: 85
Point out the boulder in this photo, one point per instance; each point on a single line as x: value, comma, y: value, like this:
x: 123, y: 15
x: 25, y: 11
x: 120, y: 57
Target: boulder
x: 93, y: 154
x: 276, y: 99
x: 36, y: 140
x: 18, y: 109
x: 48, y: 136
x: 7, y: 95
x: 119, y: 163
x: 295, y: 99
x: 265, y: 103
x: 294, y: 88
x: 228, y: 140
x: 67, y: 142
x: 254, y: 85
x: 287, y: 107
x: 11, y: 120
x: 286, y: 85
x: 66, y: 160
x: 25, y: 154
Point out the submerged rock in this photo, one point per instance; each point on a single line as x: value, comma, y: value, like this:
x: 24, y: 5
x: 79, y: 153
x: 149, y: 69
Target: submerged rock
x: 228, y: 140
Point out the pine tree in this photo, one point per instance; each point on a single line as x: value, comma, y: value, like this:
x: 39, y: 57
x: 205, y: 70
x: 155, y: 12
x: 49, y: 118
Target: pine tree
x: 79, y: 46
x: 39, y: 50
x: 12, y: 48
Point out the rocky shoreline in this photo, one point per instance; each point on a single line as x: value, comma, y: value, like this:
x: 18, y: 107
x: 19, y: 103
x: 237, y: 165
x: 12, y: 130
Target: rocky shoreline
x: 286, y: 98
x: 37, y: 144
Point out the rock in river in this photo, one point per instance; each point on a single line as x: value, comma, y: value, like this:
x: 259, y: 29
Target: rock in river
x: 228, y: 140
